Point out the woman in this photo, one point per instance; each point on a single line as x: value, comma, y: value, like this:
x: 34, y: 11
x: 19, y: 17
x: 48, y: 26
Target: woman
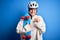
x: 37, y: 26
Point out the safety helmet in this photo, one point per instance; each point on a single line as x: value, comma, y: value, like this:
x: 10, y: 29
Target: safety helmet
x: 33, y: 4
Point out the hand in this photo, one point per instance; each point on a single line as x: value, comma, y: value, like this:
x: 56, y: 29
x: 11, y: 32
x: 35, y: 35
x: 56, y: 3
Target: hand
x: 22, y: 33
x: 31, y: 25
x: 40, y: 32
x: 36, y: 19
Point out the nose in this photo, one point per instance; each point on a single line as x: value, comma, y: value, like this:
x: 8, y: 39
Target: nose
x: 32, y: 10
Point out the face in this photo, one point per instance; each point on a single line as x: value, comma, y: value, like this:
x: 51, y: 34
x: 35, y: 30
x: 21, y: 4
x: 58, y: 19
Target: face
x: 32, y: 11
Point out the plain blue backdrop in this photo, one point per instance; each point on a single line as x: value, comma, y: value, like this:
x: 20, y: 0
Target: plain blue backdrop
x: 12, y: 10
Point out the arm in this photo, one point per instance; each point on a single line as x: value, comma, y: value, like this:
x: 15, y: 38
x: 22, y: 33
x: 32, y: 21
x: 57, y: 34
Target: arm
x: 20, y: 28
x: 29, y: 27
x: 40, y: 25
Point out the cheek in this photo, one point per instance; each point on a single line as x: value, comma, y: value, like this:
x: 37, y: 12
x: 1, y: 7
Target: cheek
x: 35, y: 12
x: 30, y: 11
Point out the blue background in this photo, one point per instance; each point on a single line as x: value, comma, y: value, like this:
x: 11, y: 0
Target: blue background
x: 12, y: 10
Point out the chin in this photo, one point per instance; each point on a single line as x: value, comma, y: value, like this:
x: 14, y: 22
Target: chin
x: 32, y: 15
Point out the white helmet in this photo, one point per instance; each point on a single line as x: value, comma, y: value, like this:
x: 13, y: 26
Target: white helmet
x: 33, y: 4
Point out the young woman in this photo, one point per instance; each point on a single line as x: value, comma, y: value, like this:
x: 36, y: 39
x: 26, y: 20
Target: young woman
x: 37, y: 26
